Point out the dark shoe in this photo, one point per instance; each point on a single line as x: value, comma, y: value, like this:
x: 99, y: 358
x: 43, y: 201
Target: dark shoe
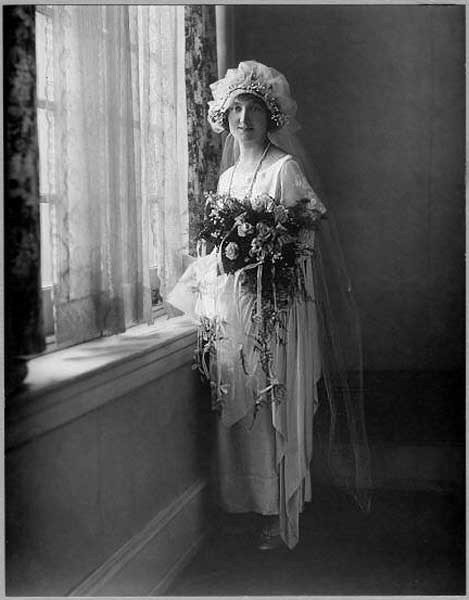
x: 269, y: 541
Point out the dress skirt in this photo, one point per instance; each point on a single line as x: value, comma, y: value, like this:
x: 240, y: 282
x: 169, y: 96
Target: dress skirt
x: 262, y: 462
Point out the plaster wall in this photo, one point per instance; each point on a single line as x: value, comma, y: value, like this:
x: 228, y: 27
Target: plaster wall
x: 77, y: 493
x: 380, y: 91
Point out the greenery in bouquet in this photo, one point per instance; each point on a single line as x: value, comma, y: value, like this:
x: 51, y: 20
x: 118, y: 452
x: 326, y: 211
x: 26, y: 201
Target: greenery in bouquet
x: 263, y: 239
x: 259, y: 232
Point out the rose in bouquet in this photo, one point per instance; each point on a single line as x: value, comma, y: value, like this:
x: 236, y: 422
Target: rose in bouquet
x: 259, y: 232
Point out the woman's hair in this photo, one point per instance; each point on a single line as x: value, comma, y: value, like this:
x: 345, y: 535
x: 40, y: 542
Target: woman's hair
x: 272, y: 125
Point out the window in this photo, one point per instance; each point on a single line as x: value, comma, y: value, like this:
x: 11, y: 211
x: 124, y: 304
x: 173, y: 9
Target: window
x: 46, y: 115
x: 113, y: 164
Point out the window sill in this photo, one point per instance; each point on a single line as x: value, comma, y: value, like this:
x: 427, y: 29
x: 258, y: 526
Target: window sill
x: 64, y: 385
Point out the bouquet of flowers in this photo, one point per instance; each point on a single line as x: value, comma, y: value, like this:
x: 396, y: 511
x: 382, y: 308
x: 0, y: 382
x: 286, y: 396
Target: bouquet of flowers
x: 259, y: 232
x: 261, y: 240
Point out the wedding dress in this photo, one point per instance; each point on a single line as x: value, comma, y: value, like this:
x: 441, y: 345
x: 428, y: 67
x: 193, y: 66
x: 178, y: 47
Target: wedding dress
x: 264, y: 448
x: 262, y: 456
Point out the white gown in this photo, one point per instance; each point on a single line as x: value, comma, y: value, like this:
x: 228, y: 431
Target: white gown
x: 262, y: 464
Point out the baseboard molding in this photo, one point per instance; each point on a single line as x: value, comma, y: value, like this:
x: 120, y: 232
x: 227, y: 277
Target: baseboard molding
x: 163, y: 586
x: 150, y: 561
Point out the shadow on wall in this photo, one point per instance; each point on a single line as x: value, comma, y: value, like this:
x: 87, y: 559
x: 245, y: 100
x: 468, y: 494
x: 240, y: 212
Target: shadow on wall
x: 381, y: 99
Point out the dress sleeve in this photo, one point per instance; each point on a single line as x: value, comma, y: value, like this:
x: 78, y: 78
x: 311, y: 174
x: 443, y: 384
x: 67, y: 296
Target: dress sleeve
x: 293, y: 187
x: 222, y: 187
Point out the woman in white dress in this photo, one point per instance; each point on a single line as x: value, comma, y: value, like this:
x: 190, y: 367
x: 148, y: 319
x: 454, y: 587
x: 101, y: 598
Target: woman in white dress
x: 264, y: 451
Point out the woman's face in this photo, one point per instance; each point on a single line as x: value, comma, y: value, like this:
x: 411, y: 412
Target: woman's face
x: 248, y: 119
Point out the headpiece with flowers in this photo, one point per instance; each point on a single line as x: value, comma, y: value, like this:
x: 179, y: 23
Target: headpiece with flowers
x: 265, y: 83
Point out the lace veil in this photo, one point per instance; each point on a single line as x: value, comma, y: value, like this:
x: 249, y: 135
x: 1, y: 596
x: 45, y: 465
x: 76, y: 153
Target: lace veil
x: 341, y: 432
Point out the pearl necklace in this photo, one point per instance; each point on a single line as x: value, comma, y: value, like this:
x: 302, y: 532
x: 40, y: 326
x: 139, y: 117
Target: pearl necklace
x: 254, y: 176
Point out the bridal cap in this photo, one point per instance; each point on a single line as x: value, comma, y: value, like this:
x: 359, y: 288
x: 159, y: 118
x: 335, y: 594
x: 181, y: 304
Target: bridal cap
x: 252, y: 77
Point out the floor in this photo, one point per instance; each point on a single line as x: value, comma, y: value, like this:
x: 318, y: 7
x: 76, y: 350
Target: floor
x: 411, y: 543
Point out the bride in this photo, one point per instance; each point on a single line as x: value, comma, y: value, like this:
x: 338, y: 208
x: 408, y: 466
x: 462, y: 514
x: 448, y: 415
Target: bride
x: 263, y: 452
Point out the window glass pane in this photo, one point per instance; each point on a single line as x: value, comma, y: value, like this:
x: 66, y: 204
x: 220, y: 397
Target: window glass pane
x: 46, y: 246
x: 44, y: 57
x: 46, y: 152
x: 117, y: 144
x: 40, y: 54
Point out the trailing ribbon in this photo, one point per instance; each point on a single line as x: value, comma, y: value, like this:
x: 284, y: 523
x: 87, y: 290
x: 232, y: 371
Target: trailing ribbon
x: 259, y: 290
x: 237, y: 294
x: 209, y: 337
x: 277, y: 324
x: 273, y: 383
x: 204, y: 346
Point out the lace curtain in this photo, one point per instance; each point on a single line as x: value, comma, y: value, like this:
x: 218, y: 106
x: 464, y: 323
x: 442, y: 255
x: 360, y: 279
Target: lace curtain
x: 113, y: 162
x: 204, y: 145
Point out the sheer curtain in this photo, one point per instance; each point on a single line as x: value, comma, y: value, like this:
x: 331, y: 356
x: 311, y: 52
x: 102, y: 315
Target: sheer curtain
x: 115, y: 160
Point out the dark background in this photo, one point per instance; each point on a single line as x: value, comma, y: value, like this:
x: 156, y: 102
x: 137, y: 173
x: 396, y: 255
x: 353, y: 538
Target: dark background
x: 381, y: 96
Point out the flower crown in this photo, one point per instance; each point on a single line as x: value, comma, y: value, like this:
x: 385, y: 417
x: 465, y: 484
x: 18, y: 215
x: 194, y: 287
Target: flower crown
x: 260, y: 81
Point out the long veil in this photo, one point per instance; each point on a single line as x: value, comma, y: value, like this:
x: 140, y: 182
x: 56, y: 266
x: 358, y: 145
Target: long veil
x: 343, y: 442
